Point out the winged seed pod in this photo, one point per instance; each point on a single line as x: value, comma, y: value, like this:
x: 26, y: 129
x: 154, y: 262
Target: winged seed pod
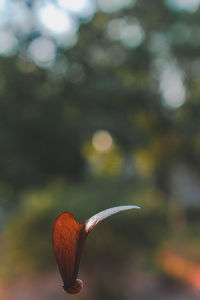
x: 68, y: 238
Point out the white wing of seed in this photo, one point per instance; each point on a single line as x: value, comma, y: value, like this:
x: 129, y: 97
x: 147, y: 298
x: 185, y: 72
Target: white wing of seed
x: 94, y: 220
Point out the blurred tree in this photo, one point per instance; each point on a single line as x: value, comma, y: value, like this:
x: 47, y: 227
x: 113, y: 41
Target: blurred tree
x: 108, y: 81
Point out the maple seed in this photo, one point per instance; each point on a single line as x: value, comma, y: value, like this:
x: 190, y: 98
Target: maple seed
x: 68, y: 238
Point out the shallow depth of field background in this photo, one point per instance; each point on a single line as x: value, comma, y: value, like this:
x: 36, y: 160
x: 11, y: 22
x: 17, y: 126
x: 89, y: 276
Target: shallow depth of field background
x: 99, y: 107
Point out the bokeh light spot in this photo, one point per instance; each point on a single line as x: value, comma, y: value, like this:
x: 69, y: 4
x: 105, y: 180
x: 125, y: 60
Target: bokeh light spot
x: 55, y: 19
x: 82, y: 8
x: 114, y: 28
x: 21, y: 17
x: 132, y: 35
x: 8, y: 42
x: 42, y: 51
x: 172, y: 88
x: 127, y: 30
x: 102, y: 141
